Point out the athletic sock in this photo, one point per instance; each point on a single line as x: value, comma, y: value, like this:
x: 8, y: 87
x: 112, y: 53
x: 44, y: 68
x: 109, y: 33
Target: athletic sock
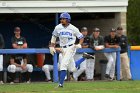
x: 12, y: 75
x: 62, y: 76
x: 28, y: 75
x: 78, y: 62
x: 1, y: 75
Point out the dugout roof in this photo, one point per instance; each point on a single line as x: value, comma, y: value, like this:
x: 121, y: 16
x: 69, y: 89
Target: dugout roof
x: 62, y: 6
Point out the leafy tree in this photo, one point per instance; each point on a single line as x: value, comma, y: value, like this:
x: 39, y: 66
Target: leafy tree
x: 133, y: 22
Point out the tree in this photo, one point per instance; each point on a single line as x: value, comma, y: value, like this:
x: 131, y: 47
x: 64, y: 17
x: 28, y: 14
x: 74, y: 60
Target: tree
x: 133, y: 22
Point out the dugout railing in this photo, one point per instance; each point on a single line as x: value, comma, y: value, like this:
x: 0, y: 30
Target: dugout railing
x: 55, y: 57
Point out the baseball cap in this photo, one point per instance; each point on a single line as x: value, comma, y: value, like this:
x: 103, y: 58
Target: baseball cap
x: 84, y: 29
x: 119, y: 28
x: 113, y: 30
x: 96, y: 29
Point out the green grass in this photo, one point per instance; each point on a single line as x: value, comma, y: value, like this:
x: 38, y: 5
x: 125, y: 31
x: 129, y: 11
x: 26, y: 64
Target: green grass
x: 74, y: 87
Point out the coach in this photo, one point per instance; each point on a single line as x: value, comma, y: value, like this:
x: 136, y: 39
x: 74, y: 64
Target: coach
x: 125, y: 63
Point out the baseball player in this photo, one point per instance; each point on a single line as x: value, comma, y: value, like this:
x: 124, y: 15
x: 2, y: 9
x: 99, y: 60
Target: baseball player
x: 1, y: 59
x: 67, y: 34
x: 111, y: 41
x: 85, y: 44
x: 125, y: 73
x: 96, y: 43
x: 18, y: 62
x: 48, y: 64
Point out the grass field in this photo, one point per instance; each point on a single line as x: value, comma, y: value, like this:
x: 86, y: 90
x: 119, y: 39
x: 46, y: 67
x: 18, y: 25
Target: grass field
x: 74, y: 87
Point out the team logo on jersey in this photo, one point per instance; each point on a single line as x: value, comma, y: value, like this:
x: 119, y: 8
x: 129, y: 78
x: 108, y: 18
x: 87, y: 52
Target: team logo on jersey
x: 96, y: 43
x: 65, y: 34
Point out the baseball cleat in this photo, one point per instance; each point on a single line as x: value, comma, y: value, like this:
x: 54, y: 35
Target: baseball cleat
x: 60, y: 86
x: 1, y: 82
x: 11, y: 83
x: 88, y: 56
x: 48, y: 80
x: 28, y: 82
x: 108, y: 77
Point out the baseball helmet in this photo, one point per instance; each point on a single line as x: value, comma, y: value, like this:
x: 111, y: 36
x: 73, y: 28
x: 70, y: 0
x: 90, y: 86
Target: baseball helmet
x: 66, y: 16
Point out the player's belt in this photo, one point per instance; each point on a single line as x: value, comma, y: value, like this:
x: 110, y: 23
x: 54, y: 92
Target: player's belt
x: 66, y: 46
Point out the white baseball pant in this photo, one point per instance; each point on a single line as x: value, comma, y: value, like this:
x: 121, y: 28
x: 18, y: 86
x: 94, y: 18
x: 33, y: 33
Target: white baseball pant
x: 90, y: 68
x: 67, y: 62
x: 110, y: 69
x: 82, y: 68
x: 12, y: 68
x: 47, y: 68
x: 1, y: 62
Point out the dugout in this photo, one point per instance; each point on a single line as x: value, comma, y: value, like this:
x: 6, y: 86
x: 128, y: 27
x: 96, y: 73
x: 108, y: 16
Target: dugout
x: 37, y: 19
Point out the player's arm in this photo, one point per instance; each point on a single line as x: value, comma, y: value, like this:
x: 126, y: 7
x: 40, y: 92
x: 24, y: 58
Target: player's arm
x: 19, y: 46
x: 101, y: 46
x: 12, y: 62
x: 52, y: 45
x: 85, y: 46
x: 53, y: 41
x: 24, y: 64
x: 14, y: 44
x: 117, y: 45
x: 81, y: 41
x: 107, y: 45
x: 24, y: 43
x: 58, y: 50
x: 111, y: 46
x: 80, y: 37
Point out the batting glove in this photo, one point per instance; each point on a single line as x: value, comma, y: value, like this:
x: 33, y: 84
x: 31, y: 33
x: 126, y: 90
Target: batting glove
x: 78, y: 46
x: 52, y: 50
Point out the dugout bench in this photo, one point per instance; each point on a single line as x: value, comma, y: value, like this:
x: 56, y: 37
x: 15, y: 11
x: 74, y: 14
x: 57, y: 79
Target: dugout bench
x: 55, y: 57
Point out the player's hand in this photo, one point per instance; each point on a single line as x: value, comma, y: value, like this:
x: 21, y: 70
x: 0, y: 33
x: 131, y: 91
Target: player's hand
x: 96, y: 48
x: 116, y: 46
x: 18, y: 47
x: 23, y: 67
x: 78, y: 46
x: 58, y: 50
x: 52, y: 50
x: 99, y: 48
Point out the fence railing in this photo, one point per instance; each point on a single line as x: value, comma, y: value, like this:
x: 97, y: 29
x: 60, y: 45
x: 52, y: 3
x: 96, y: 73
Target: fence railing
x: 55, y: 70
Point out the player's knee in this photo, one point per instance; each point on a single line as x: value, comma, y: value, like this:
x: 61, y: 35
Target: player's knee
x: 45, y: 67
x: 82, y: 69
x: 1, y: 68
x: 63, y: 68
x: 29, y: 68
x: 58, y: 68
x: 72, y: 70
x: 11, y: 68
x: 111, y: 60
x: 64, y: 65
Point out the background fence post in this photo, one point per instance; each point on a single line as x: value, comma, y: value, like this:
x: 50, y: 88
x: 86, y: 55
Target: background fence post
x: 118, y: 64
x: 55, y: 67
